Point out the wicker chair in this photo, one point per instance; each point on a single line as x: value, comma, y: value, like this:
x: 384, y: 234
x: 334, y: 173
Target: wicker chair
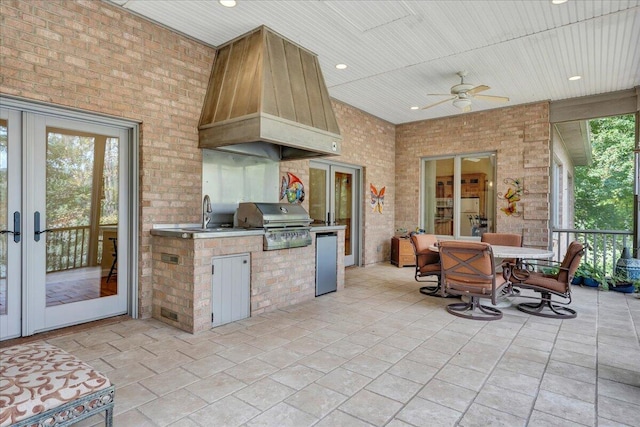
x: 468, y: 269
x: 558, y: 282
x: 427, y: 262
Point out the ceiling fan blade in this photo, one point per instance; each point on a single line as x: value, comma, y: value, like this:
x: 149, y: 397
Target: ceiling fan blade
x: 477, y: 89
x: 492, y: 98
x: 438, y: 94
x: 438, y: 103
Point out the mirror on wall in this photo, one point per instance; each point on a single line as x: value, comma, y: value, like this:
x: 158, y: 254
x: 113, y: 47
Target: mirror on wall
x: 230, y: 178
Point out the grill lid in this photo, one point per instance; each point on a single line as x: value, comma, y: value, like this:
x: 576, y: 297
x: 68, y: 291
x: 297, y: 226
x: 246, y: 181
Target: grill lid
x: 271, y: 215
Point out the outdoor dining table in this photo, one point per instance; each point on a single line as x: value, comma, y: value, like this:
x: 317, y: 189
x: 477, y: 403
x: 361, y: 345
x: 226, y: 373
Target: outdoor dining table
x: 518, y: 252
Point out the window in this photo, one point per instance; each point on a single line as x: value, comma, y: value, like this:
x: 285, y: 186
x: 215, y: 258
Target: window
x: 458, y: 195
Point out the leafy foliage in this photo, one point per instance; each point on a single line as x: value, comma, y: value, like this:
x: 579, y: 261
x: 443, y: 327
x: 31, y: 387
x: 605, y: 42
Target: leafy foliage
x: 604, y: 189
x: 70, y: 181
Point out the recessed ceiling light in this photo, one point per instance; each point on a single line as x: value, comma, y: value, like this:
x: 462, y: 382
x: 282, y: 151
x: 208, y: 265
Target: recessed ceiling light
x: 558, y: 1
x: 572, y: 78
x: 341, y: 66
x: 228, y: 3
x: 415, y: 108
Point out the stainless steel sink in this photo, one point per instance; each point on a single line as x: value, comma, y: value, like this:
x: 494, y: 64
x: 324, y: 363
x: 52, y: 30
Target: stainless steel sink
x: 212, y: 230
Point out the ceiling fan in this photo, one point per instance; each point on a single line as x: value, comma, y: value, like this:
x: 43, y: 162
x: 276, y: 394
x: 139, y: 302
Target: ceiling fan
x: 463, y: 93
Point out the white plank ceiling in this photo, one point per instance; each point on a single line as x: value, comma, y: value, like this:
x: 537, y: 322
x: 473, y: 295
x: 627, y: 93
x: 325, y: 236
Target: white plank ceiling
x: 397, y: 52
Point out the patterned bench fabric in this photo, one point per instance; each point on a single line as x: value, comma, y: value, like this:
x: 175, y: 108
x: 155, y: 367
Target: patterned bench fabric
x: 35, y: 378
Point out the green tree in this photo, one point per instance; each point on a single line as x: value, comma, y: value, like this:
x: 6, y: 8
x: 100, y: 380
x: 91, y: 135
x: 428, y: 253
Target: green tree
x: 69, y: 180
x: 604, y: 189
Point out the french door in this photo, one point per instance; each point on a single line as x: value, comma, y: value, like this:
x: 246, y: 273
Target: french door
x: 63, y: 213
x: 334, y: 198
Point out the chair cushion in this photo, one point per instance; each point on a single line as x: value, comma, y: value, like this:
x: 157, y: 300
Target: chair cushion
x: 571, y: 261
x: 482, y: 264
x: 483, y: 288
x: 421, y: 243
x: 468, y: 268
x: 502, y: 239
x: 430, y: 269
x: 545, y: 282
x: 37, y: 377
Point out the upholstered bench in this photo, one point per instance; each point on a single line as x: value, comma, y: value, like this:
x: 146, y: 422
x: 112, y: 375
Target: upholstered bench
x: 42, y: 385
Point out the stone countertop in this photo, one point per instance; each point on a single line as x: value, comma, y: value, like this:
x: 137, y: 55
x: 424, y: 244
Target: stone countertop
x: 195, y: 231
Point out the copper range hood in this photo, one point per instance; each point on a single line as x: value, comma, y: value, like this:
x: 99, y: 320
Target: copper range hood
x: 267, y: 98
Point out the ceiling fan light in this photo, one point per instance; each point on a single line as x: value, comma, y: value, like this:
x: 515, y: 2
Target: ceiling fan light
x: 461, y: 103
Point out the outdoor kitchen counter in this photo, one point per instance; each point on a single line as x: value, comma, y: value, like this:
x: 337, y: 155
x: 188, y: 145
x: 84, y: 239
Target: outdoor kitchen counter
x: 199, y: 233
x: 191, y: 231
x: 182, y: 274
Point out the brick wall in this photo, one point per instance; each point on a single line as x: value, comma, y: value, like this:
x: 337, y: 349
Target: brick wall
x: 370, y: 142
x: 95, y: 57
x: 367, y: 142
x: 520, y: 136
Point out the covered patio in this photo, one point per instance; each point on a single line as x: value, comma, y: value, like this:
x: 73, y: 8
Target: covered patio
x: 378, y: 353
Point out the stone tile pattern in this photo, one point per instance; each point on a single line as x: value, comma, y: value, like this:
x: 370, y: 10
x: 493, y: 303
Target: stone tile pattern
x: 520, y: 136
x: 377, y: 353
x: 185, y: 288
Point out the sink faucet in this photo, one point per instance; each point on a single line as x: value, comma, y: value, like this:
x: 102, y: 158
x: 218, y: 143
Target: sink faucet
x: 206, y: 210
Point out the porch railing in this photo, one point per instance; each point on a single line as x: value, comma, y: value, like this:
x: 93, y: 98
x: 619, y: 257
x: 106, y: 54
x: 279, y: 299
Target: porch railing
x: 605, y: 246
x: 67, y: 248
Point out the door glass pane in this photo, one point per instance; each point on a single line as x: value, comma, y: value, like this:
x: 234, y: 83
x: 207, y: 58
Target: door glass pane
x: 344, y: 202
x: 82, y: 216
x: 318, y: 195
x: 4, y: 216
x: 438, y: 209
x: 475, y: 178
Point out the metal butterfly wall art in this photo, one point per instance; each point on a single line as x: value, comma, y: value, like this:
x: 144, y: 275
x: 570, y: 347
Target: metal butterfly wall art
x: 292, y: 189
x: 377, y: 198
x: 513, y: 196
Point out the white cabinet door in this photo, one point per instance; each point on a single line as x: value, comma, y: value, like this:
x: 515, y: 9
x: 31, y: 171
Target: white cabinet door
x: 230, y: 295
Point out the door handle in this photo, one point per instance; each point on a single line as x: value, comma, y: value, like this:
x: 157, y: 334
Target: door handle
x: 16, y: 227
x: 36, y: 227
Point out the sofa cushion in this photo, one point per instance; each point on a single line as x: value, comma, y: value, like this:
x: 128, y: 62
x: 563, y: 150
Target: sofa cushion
x: 37, y: 377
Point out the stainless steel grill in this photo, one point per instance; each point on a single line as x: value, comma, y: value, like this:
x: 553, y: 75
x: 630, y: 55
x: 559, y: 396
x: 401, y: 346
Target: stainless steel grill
x: 285, y: 225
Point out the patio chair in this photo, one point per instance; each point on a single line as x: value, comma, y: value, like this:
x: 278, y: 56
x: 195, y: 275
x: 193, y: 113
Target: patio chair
x: 468, y: 269
x: 114, y: 264
x: 503, y: 239
x: 549, y: 278
x: 427, y: 262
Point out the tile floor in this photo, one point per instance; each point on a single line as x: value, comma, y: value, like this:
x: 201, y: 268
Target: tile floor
x: 376, y: 354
